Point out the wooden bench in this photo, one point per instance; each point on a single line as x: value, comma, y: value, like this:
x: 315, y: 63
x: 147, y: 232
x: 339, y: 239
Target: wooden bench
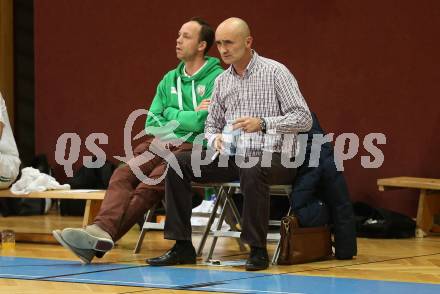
x: 429, y: 200
x: 93, y: 203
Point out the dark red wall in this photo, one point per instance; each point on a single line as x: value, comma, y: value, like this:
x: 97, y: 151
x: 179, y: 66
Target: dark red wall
x: 363, y: 66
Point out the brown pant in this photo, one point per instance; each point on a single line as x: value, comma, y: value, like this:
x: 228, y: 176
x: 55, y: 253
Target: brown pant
x: 127, y: 198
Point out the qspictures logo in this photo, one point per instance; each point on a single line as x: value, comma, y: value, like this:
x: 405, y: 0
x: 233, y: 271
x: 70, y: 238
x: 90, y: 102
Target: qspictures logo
x: 346, y: 147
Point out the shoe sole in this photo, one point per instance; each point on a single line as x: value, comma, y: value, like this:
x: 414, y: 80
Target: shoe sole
x: 81, y: 239
x: 57, y: 235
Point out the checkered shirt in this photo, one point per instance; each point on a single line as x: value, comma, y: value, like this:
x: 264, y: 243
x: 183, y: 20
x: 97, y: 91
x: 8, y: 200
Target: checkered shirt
x: 266, y: 90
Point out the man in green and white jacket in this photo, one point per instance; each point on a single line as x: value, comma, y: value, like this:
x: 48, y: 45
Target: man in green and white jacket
x: 183, y: 96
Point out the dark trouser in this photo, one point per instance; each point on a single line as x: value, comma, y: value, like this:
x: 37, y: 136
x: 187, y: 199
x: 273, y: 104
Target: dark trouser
x: 127, y: 197
x: 254, y: 184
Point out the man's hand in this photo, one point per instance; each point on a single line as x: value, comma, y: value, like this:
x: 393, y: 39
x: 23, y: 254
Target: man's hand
x: 203, y: 105
x: 218, y: 142
x: 248, y: 124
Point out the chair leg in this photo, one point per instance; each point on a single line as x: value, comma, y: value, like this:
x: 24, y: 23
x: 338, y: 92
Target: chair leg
x: 234, y: 209
x: 228, y: 203
x: 210, y: 222
x: 140, y: 240
x: 236, y: 216
x: 220, y: 223
x: 144, y: 230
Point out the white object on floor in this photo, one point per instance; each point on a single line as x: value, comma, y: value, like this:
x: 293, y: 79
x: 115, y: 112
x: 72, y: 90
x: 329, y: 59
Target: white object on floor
x: 217, y: 262
x: 32, y: 180
x: 205, y: 208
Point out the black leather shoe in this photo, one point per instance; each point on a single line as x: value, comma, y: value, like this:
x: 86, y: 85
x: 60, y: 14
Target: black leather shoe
x: 177, y: 255
x: 258, y: 259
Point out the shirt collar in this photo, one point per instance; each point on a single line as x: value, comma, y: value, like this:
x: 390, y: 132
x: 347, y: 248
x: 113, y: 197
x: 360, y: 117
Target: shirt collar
x: 249, y: 67
x: 190, y: 76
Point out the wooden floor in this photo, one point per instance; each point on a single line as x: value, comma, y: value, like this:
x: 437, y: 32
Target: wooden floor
x: 411, y: 260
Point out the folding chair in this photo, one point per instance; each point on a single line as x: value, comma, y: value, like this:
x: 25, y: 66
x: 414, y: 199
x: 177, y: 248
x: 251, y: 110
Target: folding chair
x: 149, y: 225
x: 226, y: 191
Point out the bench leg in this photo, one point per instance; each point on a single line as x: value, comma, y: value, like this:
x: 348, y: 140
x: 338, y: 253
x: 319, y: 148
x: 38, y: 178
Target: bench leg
x: 429, y: 205
x: 92, y: 209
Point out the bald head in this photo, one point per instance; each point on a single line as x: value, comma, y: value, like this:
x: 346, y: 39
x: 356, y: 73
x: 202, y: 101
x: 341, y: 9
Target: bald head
x: 234, y: 41
x: 236, y: 25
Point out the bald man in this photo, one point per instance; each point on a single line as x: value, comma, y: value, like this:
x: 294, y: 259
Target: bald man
x: 260, y: 98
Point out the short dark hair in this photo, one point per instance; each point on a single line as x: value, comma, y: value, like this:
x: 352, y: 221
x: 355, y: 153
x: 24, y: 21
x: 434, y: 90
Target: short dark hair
x: 206, y: 32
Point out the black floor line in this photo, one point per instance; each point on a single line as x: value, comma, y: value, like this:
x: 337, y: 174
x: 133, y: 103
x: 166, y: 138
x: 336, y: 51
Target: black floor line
x: 127, y: 260
x: 356, y: 264
x: 90, y: 272
x: 188, y: 287
x: 201, y: 285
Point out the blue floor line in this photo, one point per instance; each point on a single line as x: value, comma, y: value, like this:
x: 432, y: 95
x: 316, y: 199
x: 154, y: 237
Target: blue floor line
x: 197, y: 279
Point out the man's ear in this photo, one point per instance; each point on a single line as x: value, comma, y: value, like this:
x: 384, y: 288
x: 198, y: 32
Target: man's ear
x: 249, y: 41
x: 202, y: 46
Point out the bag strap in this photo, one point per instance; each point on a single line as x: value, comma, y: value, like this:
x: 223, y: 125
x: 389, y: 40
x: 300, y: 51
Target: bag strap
x: 289, y: 222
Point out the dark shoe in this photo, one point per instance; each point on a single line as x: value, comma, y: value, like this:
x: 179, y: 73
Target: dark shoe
x: 177, y: 255
x: 258, y: 259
